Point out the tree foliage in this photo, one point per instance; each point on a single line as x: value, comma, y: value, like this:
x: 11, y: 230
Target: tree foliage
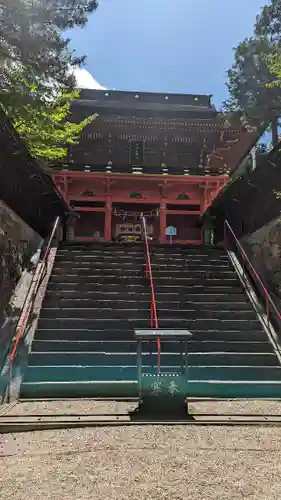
x: 274, y: 66
x: 31, y: 32
x: 36, y: 77
x: 250, y: 81
x: 253, y: 80
x: 268, y: 23
x: 47, y: 132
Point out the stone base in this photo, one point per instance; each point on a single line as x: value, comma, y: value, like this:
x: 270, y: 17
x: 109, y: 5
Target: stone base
x: 160, y: 409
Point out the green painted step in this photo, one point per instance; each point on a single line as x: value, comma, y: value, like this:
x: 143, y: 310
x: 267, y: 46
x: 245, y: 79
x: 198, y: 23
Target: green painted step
x: 72, y: 295
x: 59, y: 302
x: 130, y: 269
x: 100, y: 260
x: 217, y: 288
x: 131, y: 346
x: 79, y: 373
x: 79, y: 256
x: 114, y: 333
x: 113, y: 269
x: 199, y: 273
x: 75, y: 389
x: 53, y: 358
x: 77, y: 274
x: 142, y: 287
x: 174, y: 322
x: 100, y: 264
x: 191, y: 263
x: 115, y: 250
x: 206, y: 308
x: 101, y: 268
x: 124, y: 280
x: 86, y: 334
x: 60, y: 285
x: 95, y: 314
x: 119, y: 373
x: 103, y: 293
x: 95, y: 277
x: 256, y: 389
x: 259, y: 389
x: 135, y: 312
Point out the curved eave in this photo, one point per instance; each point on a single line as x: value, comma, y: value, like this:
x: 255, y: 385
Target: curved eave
x: 241, y: 155
x: 231, y: 155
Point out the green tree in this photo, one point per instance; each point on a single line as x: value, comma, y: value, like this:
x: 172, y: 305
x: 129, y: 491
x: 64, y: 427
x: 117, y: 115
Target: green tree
x: 36, y: 77
x: 40, y: 112
x: 248, y: 79
x: 252, y: 95
x: 31, y: 32
x: 47, y: 131
x: 253, y: 80
x: 268, y: 22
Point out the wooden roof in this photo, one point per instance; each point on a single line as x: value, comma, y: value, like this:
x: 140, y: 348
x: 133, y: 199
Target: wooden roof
x: 146, y: 131
x: 140, y: 102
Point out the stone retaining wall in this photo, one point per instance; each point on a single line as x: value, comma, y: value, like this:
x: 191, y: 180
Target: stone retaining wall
x: 264, y: 249
x: 18, y: 242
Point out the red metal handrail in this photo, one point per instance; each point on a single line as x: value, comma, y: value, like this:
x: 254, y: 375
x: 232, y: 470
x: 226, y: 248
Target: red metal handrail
x: 31, y: 296
x: 153, y: 307
x: 268, y: 298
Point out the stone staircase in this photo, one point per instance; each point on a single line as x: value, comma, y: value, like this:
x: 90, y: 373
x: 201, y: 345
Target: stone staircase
x: 230, y: 355
x: 84, y: 344
x: 97, y: 294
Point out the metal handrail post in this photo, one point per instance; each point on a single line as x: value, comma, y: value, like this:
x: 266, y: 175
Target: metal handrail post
x: 268, y: 299
x: 154, y: 314
x: 28, y: 304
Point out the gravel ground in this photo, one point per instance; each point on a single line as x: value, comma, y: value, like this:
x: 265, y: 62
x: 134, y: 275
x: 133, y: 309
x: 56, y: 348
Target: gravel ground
x: 85, y: 406
x: 141, y: 463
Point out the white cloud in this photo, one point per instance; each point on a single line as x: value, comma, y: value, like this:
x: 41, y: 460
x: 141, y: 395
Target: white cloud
x: 85, y: 80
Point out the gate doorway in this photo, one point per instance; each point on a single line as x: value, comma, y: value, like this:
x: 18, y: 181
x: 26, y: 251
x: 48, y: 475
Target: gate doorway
x: 127, y: 224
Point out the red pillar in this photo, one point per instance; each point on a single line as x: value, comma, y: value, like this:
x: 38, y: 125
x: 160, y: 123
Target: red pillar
x: 163, y: 216
x: 108, y: 221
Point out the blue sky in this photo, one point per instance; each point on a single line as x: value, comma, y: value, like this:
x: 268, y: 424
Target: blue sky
x: 165, y: 45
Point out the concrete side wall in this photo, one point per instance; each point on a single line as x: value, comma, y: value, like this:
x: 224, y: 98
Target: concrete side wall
x: 17, y: 243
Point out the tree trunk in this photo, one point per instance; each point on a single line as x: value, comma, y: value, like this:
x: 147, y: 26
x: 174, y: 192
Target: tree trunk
x: 274, y: 131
